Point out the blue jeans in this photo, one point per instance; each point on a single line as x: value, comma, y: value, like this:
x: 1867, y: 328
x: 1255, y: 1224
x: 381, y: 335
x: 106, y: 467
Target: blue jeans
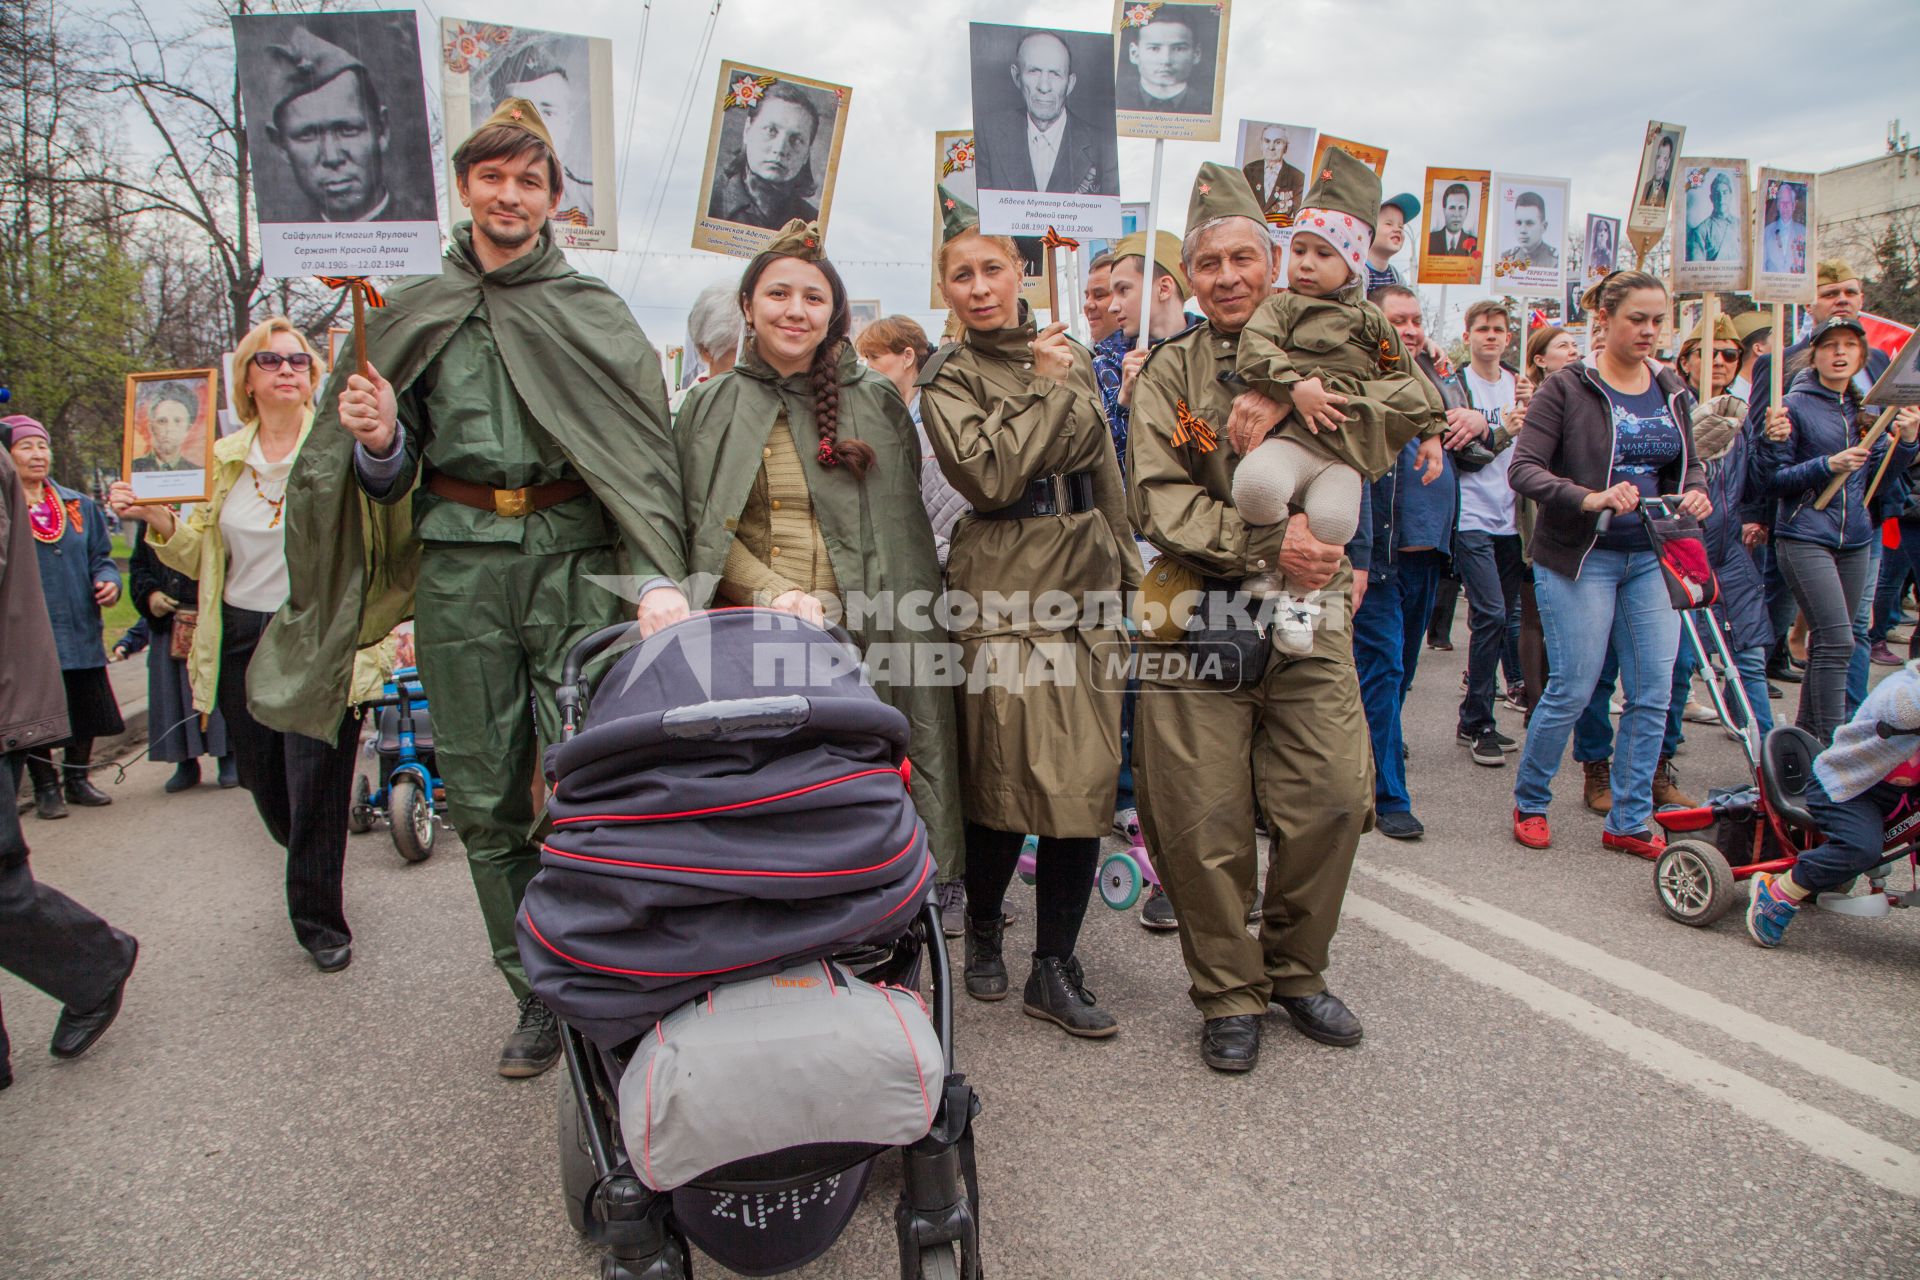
x: 1490, y: 569
x: 1856, y: 833
x: 1387, y: 631
x: 1123, y: 799
x: 1593, y: 731
x: 1860, y: 665
x: 1752, y: 667
x: 1619, y: 594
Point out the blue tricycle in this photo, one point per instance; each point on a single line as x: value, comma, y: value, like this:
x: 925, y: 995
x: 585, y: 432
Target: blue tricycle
x: 411, y: 796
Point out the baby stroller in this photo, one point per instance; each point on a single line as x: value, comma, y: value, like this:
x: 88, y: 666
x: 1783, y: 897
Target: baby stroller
x: 410, y: 795
x: 679, y: 771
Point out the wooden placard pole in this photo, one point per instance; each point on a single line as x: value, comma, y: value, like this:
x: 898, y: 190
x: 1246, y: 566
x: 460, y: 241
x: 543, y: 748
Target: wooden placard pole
x: 1151, y: 229
x: 1053, y: 289
x: 360, y: 331
x: 1709, y: 314
x: 1776, y: 362
x: 1833, y: 485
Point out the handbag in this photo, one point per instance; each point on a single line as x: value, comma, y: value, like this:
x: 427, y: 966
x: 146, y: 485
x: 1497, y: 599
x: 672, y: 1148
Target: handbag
x: 1681, y: 547
x: 1221, y: 648
x: 180, y: 636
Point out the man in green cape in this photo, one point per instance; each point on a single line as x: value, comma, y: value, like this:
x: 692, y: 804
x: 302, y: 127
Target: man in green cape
x: 512, y: 434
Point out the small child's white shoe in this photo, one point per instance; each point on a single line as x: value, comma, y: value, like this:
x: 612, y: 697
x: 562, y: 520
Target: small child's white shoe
x: 1294, y: 622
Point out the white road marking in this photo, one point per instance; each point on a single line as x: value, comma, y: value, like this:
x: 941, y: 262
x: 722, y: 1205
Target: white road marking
x: 1816, y: 1057
x: 1879, y: 1161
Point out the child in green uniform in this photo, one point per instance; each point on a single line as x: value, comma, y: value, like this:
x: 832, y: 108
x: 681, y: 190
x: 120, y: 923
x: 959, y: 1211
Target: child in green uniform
x: 1329, y: 356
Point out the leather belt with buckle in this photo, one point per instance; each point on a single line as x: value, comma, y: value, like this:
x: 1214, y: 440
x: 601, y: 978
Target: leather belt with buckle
x: 1052, y: 495
x: 514, y: 504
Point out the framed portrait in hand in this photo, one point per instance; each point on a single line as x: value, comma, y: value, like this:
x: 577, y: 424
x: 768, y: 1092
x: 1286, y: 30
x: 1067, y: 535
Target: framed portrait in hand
x: 166, y: 445
x: 1653, y: 185
x: 1457, y: 202
x: 1710, y: 225
x: 1046, y: 154
x: 1170, y: 69
x: 1784, y: 254
x: 772, y: 155
x: 1601, y: 248
x: 1529, y: 228
x: 1275, y: 158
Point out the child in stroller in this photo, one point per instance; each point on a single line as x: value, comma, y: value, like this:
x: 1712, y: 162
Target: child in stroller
x: 730, y: 833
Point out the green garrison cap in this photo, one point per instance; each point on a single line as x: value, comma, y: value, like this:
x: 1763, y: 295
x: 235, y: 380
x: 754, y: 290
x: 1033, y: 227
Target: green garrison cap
x: 1345, y: 185
x: 303, y: 64
x: 1221, y: 191
x: 522, y: 115
x: 799, y: 240
x: 956, y: 215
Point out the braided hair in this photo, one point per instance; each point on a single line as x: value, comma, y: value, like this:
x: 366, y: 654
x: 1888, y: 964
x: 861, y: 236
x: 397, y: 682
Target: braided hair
x: 856, y: 455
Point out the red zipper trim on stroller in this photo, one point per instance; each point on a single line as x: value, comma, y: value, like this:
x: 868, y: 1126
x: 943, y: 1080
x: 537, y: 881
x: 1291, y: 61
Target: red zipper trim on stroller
x: 918, y: 1077
x: 912, y: 900
x: 901, y: 773
x: 720, y: 871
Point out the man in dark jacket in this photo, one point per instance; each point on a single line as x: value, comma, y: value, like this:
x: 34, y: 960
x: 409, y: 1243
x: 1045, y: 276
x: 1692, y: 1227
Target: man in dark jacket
x: 1405, y: 535
x: 46, y: 938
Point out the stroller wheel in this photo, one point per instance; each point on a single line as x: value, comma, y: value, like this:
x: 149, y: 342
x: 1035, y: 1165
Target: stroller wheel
x: 576, y: 1162
x: 939, y: 1262
x: 360, y: 816
x: 1694, y: 882
x: 1120, y: 881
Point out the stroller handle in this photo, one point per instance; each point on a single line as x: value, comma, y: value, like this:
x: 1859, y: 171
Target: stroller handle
x: 732, y: 719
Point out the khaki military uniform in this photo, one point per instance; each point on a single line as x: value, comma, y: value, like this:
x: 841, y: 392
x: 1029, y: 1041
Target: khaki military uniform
x: 1295, y: 743
x: 1040, y: 717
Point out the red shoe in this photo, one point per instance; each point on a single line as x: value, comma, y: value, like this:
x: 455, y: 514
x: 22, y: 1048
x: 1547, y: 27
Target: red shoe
x: 1647, y: 845
x: 1530, y: 829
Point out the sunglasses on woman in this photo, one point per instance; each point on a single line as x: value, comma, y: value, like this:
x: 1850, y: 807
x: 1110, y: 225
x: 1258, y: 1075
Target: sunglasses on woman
x: 299, y: 361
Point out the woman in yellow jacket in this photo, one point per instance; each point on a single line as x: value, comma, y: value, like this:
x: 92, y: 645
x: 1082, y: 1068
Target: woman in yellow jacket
x: 234, y: 545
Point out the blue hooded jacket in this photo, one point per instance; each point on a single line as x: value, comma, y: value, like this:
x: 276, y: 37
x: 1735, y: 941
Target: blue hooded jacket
x: 1795, y: 469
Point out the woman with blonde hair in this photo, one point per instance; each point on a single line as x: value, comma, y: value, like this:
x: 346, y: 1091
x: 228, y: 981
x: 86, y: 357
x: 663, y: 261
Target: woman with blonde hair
x: 233, y: 545
x: 1016, y: 419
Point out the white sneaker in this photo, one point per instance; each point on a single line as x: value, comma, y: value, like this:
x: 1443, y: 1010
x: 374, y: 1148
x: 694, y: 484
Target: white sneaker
x: 1698, y: 712
x: 1293, y: 624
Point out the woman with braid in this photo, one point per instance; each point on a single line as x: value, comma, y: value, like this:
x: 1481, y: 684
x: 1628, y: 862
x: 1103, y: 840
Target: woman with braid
x: 801, y: 472
x: 1016, y: 421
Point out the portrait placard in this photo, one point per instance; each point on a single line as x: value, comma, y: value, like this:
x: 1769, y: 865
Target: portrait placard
x: 1710, y: 225
x: 1785, y: 253
x: 861, y: 312
x: 1365, y: 152
x: 336, y: 118
x: 1601, y: 247
x: 954, y: 166
x: 1170, y: 69
x: 569, y: 80
x: 1530, y: 226
x: 1043, y: 125
x: 1653, y: 187
x: 1899, y: 386
x: 166, y: 445
x: 1456, y: 205
x: 1275, y: 159
x: 772, y: 155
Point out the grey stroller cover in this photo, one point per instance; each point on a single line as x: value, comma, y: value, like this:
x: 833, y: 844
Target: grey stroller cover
x: 737, y: 801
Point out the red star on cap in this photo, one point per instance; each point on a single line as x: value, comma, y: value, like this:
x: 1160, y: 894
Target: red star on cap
x: 515, y: 113
x: 1205, y: 188
x: 949, y: 204
x: 1326, y: 175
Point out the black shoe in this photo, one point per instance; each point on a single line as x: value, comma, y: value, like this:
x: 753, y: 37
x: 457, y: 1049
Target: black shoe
x: 1157, y: 911
x: 951, y: 897
x: 1057, y: 992
x: 6, y: 1075
x: 1398, y: 826
x: 332, y: 959
x: 1775, y: 692
x: 1469, y: 737
x: 1321, y: 1016
x: 76, y: 1033
x: 985, y: 971
x: 229, y: 773
x: 1488, y: 751
x: 1443, y: 646
x: 82, y: 792
x: 1783, y: 670
x: 1231, y: 1043
x: 48, y: 804
x: 186, y: 776
x: 535, y: 1043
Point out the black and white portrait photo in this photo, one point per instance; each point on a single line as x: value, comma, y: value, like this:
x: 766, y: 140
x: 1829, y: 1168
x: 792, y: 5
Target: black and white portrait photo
x: 770, y: 157
x: 336, y: 116
x: 1171, y: 58
x: 1274, y: 157
x: 956, y: 177
x: 1653, y: 186
x: 1530, y: 225
x: 1043, y: 124
x: 568, y: 79
x: 1602, y: 247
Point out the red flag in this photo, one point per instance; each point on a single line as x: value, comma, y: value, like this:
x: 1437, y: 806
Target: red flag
x: 1884, y: 334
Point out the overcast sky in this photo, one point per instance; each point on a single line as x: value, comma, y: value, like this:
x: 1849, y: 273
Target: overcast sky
x: 1546, y: 88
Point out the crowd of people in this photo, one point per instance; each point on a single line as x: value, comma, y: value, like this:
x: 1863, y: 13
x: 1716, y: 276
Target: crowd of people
x: 1288, y: 480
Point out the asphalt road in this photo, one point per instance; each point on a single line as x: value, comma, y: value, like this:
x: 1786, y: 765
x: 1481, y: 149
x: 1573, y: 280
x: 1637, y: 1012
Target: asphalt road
x: 1557, y: 1081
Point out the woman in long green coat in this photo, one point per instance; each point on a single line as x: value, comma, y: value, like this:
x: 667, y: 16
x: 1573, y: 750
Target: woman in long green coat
x: 801, y: 472
x: 1015, y: 419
